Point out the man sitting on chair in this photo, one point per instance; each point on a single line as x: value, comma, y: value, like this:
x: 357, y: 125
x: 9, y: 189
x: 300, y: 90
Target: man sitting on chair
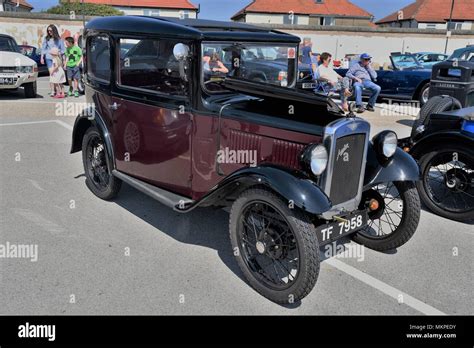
x: 327, y: 74
x: 363, y: 74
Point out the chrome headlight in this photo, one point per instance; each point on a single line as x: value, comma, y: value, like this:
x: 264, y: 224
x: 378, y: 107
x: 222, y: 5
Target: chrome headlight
x: 315, y: 159
x: 386, y: 143
x: 24, y: 69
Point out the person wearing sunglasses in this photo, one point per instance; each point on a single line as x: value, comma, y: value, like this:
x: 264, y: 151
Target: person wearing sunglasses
x: 364, y: 76
x: 51, y: 40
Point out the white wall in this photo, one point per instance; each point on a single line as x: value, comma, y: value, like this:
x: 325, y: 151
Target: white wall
x: 443, y: 26
x: 379, y: 45
x: 137, y: 11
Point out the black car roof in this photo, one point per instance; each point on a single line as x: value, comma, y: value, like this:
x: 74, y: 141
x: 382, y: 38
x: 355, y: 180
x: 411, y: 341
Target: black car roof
x: 7, y: 36
x: 194, y: 29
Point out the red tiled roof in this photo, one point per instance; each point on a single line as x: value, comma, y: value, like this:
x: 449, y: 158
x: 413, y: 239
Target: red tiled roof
x: 328, y: 7
x: 178, y: 4
x: 434, y: 11
x: 21, y: 2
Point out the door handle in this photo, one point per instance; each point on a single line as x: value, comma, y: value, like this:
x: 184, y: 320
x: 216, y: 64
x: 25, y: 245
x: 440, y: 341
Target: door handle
x: 114, y: 106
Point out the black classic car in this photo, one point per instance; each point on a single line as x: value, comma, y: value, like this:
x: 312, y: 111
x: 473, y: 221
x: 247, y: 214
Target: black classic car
x: 296, y: 172
x: 442, y: 141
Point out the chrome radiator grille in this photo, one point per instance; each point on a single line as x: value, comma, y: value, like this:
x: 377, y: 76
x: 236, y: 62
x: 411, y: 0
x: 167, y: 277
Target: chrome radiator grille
x: 347, y: 166
x: 347, y: 143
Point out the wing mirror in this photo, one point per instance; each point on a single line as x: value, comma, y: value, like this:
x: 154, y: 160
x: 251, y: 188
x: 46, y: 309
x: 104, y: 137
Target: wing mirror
x: 181, y: 51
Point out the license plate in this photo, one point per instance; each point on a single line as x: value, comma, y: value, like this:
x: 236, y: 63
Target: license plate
x: 7, y: 81
x: 309, y: 85
x: 334, y: 230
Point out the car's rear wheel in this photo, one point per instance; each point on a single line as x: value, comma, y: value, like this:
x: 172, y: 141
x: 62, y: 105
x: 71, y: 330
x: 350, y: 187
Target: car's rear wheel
x: 31, y: 89
x: 447, y: 185
x: 393, y: 217
x: 275, y: 246
x: 98, y: 171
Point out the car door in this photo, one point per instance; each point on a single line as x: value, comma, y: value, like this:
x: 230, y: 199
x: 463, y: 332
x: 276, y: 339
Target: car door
x: 152, y: 127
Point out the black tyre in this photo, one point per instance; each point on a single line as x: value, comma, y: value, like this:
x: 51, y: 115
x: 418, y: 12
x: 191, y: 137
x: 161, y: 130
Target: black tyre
x: 275, y: 246
x: 31, y: 89
x: 447, y: 185
x: 80, y: 85
x: 396, y: 219
x: 99, y: 178
x: 435, y: 105
x: 424, y: 94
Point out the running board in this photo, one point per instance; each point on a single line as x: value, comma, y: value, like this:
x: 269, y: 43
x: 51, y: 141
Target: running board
x: 170, y: 199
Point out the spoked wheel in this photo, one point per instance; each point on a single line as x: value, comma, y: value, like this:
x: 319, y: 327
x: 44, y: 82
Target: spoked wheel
x: 394, y: 213
x: 447, y: 186
x: 99, y: 176
x: 275, y: 246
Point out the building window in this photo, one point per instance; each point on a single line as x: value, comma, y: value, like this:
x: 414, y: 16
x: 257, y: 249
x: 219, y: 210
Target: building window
x: 431, y: 26
x: 152, y: 13
x: 184, y: 14
x: 327, y: 21
x: 455, y: 26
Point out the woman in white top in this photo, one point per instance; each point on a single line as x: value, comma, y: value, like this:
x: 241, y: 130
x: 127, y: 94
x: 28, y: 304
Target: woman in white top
x: 326, y: 73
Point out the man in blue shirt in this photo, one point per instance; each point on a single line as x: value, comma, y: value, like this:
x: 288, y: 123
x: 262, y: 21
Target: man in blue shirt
x: 364, y: 75
x: 306, y: 52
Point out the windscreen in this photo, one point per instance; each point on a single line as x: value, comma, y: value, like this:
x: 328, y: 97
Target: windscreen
x: 273, y: 64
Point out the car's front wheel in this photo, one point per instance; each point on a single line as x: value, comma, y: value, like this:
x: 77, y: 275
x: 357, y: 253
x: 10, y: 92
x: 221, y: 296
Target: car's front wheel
x: 98, y: 171
x: 275, y: 246
x: 394, y: 213
x: 31, y: 89
x: 424, y: 94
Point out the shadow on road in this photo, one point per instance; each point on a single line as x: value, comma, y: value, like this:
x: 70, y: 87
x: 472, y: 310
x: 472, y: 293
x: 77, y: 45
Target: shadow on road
x: 408, y: 122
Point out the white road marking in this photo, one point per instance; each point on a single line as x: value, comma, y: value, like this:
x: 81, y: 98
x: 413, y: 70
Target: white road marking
x: 35, y: 184
x: 39, y: 220
x: 61, y: 123
x: 25, y: 123
x: 64, y: 124
x: 410, y: 301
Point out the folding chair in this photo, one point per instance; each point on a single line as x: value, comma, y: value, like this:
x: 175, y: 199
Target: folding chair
x: 322, y: 85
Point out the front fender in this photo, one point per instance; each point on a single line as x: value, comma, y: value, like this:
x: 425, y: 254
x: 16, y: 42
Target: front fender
x: 293, y: 186
x: 401, y: 167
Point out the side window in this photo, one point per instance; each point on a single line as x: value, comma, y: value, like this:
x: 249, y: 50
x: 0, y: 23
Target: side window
x: 98, y: 57
x: 150, y: 65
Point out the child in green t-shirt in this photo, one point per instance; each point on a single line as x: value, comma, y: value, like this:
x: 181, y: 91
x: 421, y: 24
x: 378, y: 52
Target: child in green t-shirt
x: 72, y: 65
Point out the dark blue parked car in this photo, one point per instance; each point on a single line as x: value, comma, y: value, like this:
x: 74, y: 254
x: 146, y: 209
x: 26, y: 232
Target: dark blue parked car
x: 35, y: 54
x: 404, y: 79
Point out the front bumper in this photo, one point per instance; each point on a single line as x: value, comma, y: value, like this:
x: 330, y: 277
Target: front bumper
x: 17, y: 79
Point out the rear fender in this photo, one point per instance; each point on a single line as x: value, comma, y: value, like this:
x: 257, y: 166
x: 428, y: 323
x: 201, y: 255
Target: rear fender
x: 91, y: 118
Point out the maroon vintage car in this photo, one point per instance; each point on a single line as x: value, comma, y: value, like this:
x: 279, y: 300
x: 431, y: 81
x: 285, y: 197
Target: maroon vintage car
x: 177, y: 115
